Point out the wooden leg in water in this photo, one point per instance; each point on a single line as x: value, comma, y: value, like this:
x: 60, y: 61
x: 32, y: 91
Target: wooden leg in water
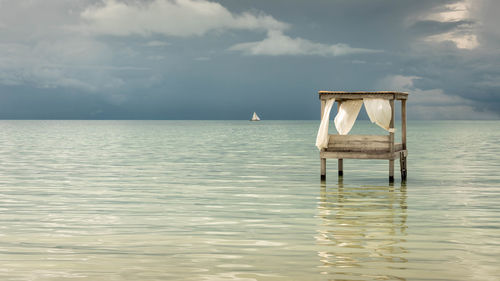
x: 341, y: 167
x: 391, y: 170
x: 406, y: 167
x: 402, y: 165
x: 323, y: 169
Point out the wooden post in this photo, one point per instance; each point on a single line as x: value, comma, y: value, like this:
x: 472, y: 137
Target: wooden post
x: 340, y: 163
x: 402, y: 165
x: 403, y: 123
x: 341, y: 167
x: 323, y: 160
x: 323, y: 169
x: 323, y: 104
x: 402, y: 157
x: 391, y: 139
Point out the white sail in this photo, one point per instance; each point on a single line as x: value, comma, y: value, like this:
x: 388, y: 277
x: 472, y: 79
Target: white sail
x: 255, y: 117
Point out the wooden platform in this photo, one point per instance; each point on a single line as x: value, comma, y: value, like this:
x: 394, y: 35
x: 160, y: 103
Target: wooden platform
x: 362, y: 147
x: 366, y: 146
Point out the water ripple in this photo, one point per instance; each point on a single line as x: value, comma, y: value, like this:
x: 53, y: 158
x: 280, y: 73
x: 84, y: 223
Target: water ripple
x: 213, y: 200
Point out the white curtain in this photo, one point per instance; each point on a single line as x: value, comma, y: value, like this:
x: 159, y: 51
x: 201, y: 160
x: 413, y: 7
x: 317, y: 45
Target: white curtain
x: 348, y: 112
x: 379, y: 111
x: 322, y: 137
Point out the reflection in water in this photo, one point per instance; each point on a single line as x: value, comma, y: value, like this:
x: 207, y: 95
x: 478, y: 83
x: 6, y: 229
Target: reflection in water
x: 362, y: 232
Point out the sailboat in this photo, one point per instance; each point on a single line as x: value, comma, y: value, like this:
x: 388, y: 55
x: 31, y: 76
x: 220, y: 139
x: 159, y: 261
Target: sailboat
x: 255, y: 117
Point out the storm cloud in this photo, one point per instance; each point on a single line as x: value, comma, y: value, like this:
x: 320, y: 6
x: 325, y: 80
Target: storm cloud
x: 199, y: 59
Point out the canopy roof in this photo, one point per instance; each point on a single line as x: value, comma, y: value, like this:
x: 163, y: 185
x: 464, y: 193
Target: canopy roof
x: 341, y: 95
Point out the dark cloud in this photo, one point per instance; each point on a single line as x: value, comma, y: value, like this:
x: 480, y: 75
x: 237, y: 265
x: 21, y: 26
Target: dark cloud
x: 60, y: 71
x: 430, y: 27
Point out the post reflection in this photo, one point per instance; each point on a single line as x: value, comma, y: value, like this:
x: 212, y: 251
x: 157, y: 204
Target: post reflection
x: 362, y: 232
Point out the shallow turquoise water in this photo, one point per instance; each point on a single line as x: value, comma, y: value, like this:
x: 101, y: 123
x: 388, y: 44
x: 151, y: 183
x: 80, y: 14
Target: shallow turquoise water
x: 239, y: 200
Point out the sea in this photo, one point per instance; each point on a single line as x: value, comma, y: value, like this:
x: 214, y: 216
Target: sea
x: 240, y: 200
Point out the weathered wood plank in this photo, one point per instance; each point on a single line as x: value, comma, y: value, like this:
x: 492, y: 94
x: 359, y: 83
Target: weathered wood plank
x: 359, y: 143
x: 403, y: 123
x: 362, y: 155
x: 363, y: 147
x: 398, y: 147
x: 391, y: 126
x: 360, y: 95
x: 391, y: 143
x: 362, y: 138
x: 358, y: 146
x: 342, y: 97
x: 374, y: 150
x: 363, y: 92
x: 355, y: 155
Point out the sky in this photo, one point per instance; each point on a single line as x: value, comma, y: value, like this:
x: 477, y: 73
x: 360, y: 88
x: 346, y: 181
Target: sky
x: 199, y: 59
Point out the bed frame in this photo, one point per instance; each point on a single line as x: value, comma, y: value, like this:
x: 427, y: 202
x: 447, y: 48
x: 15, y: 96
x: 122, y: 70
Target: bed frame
x: 366, y: 146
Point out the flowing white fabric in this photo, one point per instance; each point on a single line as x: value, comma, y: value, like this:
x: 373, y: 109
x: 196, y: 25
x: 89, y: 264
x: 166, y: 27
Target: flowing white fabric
x: 379, y: 111
x: 322, y: 137
x: 348, y: 112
